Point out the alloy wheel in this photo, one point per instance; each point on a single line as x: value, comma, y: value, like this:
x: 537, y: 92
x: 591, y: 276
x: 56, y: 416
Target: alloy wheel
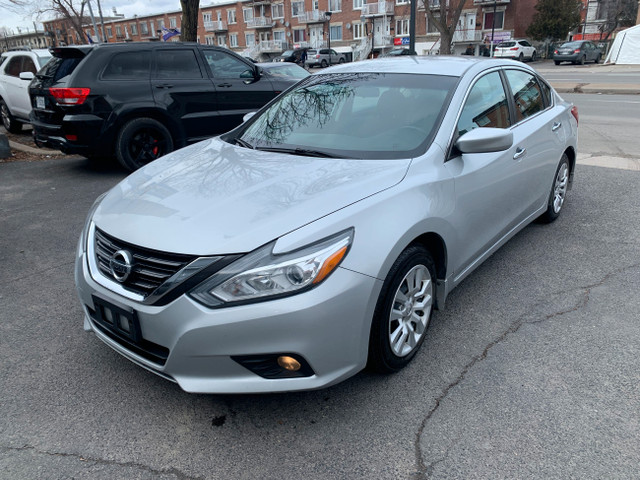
x: 560, y: 187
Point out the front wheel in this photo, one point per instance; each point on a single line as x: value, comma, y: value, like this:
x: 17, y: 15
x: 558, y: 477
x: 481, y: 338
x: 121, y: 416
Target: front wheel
x: 583, y: 58
x: 556, y: 62
x: 597, y: 59
x: 403, y: 311
x: 534, y: 56
x: 341, y: 60
x: 323, y: 63
x: 141, y: 141
x: 558, y: 191
x: 521, y: 57
x: 8, y: 120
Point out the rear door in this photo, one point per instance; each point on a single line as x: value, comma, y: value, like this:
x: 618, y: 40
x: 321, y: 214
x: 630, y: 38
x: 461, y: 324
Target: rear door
x: 17, y: 89
x: 182, y: 88
x: 239, y: 92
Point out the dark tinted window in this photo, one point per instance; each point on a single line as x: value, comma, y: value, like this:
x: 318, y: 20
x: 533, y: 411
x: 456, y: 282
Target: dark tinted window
x: 525, y: 43
x: 224, y: 65
x: 59, y: 68
x: 28, y: 65
x: 129, y: 66
x: 486, y: 105
x: 14, y: 67
x: 526, y: 93
x: 177, y: 64
x: 506, y: 44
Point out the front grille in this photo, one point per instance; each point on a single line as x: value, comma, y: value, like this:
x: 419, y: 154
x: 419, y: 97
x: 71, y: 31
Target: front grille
x: 150, y: 268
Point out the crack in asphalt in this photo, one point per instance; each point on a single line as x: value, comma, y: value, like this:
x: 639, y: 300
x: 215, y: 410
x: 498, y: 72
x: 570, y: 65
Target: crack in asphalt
x: 172, y: 471
x: 423, y: 470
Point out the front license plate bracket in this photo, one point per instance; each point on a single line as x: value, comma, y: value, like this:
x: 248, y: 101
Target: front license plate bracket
x: 122, y: 322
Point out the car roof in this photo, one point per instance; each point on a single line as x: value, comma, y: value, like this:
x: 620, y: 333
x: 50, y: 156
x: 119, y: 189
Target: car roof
x: 427, y: 65
x: 40, y: 52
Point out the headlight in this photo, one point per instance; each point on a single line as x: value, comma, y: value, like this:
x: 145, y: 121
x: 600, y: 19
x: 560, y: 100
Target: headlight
x: 87, y: 223
x: 261, y: 275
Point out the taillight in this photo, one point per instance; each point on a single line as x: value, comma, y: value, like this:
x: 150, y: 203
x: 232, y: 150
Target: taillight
x: 577, y: 50
x: 574, y: 112
x: 555, y: 51
x: 70, y: 96
x: 514, y: 48
x: 318, y: 55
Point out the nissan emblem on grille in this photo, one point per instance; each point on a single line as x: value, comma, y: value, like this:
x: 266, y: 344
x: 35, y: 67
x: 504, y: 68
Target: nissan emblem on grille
x: 120, y: 265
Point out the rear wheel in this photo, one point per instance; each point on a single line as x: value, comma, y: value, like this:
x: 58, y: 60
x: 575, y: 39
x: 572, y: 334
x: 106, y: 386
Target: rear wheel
x: 521, y: 57
x: 141, y: 141
x: 534, y: 56
x: 558, y: 191
x: 403, y: 311
x: 583, y: 59
x: 341, y: 60
x: 597, y: 60
x: 8, y: 120
x: 323, y: 63
x: 556, y: 62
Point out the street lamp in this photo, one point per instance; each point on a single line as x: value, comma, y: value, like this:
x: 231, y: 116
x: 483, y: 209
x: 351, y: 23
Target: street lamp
x: 328, y: 15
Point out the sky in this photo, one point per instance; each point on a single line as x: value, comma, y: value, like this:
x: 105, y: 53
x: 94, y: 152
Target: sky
x: 129, y: 8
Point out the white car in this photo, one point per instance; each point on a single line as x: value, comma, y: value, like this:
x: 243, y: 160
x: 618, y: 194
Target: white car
x: 17, y: 69
x: 516, y: 49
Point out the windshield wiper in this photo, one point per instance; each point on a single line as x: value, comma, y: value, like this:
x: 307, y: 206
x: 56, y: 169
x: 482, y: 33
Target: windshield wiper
x: 301, y: 151
x: 243, y: 143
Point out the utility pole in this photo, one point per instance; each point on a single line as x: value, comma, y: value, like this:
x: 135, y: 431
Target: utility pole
x: 493, y: 26
x: 412, y: 27
x: 104, y: 37
x: 93, y: 20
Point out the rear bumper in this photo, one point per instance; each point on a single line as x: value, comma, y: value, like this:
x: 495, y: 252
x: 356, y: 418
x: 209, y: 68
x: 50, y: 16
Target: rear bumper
x: 78, y: 134
x: 574, y: 57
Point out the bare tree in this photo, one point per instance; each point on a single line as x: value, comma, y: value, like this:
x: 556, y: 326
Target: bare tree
x: 70, y: 10
x: 617, y: 13
x: 189, y: 26
x: 444, y: 15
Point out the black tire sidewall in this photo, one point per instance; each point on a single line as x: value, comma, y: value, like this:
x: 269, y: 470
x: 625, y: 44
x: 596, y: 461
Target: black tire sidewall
x: 550, y: 215
x: 127, y: 133
x: 324, y: 64
x: 381, y: 357
x: 14, y: 125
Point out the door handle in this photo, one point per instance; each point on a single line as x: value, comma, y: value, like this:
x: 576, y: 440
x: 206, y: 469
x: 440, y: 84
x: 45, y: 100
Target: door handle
x: 164, y: 85
x: 224, y: 85
x: 519, y: 152
x: 556, y: 126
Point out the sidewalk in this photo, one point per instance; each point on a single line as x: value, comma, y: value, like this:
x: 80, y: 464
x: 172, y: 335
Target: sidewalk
x: 604, y: 88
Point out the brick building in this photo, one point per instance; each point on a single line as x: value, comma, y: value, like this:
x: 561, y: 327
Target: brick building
x: 262, y: 29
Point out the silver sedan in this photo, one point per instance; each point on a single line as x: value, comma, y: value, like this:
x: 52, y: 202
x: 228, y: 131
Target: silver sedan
x: 319, y: 236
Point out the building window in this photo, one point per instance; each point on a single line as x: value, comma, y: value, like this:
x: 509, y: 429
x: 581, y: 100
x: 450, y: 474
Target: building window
x: 247, y: 14
x: 279, y: 35
x: 357, y: 4
x: 209, y: 40
x: 109, y: 32
x: 315, y: 5
x: 402, y: 2
x: 222, y: 40
x: 297, y: 9
x: 233, y: 40
x: 231, y: 16
x: 152, y: 27
x: 299, y: 35
x: 250, y: 39
x: 358, y: 30
x: 431, y: 27
x: 172, y: 22
x: 336, y: 32
x: 160, y: 24
x: 206, y: 17
x: 335, y: 5
x: 134, y: 29
x: 144, y: 29
x: 277, y: 10
x: 488, y: 20
x: 118, y: 31
x: 402, y: 27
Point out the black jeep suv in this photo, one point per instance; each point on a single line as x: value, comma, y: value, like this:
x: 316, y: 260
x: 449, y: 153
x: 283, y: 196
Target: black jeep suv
x: 139, y: 101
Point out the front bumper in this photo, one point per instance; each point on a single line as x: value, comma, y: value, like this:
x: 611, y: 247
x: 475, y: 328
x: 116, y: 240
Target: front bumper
x: 327, y: 326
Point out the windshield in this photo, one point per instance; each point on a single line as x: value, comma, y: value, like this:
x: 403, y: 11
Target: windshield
x: 288, y: 53
x: 353, y: 115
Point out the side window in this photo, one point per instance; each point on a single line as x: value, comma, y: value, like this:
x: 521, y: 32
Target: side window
x: 224, y: 65
x: 546, y: 90
x: 14, y: 67
x: 28, y: 65
x: 527, y: 94
x: 177, y: 64
x: 486, y: 105
x: 128, y: 66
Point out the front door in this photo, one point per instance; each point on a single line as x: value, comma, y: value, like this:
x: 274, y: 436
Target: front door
x: 315, y: 36
x: 382, y: 30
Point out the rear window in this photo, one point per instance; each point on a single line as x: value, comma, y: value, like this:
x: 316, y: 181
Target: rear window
x: 42, y: 61
x: 59, y: 68
x: 506, y: 44
x: 128, y: 66
x: 571, y: 45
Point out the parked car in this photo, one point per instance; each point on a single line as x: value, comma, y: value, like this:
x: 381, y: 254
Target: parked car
x: 283, y: 71
x: 324, y: 57
x: 292, y: 56
x: 395, y: 52
x: 515, y: 49
x: 139, y: 101
x: 319, y: 236
x: 17, y: 69
x: 580, y: 51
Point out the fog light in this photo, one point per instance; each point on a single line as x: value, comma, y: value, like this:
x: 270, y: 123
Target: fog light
x: 289, y: 363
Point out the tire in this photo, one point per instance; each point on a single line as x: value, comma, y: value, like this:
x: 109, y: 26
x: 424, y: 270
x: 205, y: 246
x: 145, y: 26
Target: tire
x: 323, y: 64
x: 558, y: 193
x: 534, y: 57
x: 397, y: 333
x: 341, y: 60
x: 597, y: 60
x: 521, y: 57
x: 583, y: 58
x: 8, y: 120
x: 556, y: 62
x: 142, y: 141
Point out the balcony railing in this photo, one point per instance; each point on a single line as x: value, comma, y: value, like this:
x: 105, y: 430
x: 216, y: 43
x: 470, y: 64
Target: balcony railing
x: 377, y: 9
x: 215, y: 26
x: 260, y: 22
x: 314, y: 16
x: 271, y: 46
x: 490, y: 2
x: 467, y: 36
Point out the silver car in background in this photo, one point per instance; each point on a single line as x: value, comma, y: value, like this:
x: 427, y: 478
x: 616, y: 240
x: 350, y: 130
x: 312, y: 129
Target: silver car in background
x: 319, y: 236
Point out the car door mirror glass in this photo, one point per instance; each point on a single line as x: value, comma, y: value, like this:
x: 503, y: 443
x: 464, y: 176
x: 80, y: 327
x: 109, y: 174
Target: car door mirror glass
x: 484, y: 140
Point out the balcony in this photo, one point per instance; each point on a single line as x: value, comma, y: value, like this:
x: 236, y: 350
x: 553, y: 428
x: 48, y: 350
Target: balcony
x: 490, y: 2
x: 377, y: 9
x: 271, y: 46
x: 467, y: 36
x: 314, y: 16
x: 260, y: 22
x: 215, y: 26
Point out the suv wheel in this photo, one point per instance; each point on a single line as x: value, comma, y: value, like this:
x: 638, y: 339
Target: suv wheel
x: 323, y: 64
x: 10, y: 123
x: 141, y: 141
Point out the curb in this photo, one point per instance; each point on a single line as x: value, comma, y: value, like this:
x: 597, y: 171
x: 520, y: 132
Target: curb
x: 34, y: 151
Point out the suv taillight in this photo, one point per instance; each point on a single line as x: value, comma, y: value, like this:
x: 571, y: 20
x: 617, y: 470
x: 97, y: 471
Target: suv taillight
x: 514, y: 48
x: 317, y: 55
x: 574, y: 112
x: 70, y: 96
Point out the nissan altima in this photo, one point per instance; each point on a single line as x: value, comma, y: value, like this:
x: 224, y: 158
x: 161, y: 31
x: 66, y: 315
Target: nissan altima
x: 319, y: 236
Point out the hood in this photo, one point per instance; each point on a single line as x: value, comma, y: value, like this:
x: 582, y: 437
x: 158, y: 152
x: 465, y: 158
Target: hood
x: 215, y: 198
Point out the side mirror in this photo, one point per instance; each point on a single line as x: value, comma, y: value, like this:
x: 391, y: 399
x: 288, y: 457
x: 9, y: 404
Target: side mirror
x: 247, y: 116
x: 26, y: 76
x: 484, y: 140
